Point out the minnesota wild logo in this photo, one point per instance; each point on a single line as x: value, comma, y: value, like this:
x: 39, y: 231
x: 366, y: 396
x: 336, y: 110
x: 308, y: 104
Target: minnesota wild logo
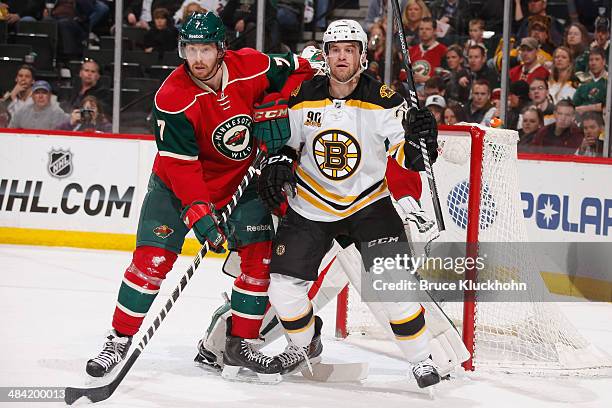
x: 232, y: 138
x: 163, y: 231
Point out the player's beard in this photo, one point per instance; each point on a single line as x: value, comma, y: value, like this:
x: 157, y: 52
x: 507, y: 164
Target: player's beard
x: 344, y: 74
x: 203, y: 71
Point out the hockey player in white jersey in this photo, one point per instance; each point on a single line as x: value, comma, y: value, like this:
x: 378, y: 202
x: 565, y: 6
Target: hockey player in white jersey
x: 340, y: 125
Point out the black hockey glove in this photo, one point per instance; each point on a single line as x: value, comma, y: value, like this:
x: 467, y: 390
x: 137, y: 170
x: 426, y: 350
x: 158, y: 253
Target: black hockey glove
x: 277, y: 178
x: 420, y: 124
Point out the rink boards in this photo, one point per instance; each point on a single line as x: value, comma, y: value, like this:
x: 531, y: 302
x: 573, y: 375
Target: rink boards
x: 85, y: 190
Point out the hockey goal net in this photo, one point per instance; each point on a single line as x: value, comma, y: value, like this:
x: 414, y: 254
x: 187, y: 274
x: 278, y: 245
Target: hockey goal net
x: 477, y: 179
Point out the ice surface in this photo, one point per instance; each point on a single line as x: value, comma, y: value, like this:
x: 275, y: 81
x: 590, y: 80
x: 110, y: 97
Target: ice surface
x: 57, y: 304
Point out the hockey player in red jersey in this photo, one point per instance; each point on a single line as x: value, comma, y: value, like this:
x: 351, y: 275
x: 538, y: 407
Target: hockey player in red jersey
x: 203, y: 116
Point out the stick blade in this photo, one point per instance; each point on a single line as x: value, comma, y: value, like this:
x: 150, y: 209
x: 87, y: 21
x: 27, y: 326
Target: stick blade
x: 337, y: 372
x: 93, y: 394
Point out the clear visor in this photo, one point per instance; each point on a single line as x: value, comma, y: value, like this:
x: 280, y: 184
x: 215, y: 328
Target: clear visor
x: 197, y: 51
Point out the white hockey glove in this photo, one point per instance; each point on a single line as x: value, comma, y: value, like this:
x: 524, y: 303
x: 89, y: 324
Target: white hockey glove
x: 422, y: 228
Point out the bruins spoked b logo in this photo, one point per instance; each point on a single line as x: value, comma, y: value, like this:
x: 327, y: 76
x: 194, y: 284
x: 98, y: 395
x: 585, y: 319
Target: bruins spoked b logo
x: 336, y: 153
x: 232, y: 138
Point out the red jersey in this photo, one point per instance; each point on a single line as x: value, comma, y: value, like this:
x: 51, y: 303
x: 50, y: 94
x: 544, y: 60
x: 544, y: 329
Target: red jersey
x: 519, y: 73
x: 425, y: 61
x: 204, y: 137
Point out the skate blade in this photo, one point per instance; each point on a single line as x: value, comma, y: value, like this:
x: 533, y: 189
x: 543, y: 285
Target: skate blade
x: 337, y: 372
x: 241, y: 374
x: 429, y: 391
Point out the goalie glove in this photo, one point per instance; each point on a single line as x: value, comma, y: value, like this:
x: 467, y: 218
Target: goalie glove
x: 200, y: 217
x: 277, y: 178
x: 420, y: 125
x: 420, y: 224
x: 271, y: 124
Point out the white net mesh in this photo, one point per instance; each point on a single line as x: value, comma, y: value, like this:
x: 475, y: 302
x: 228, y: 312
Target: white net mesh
x: 531, y: 335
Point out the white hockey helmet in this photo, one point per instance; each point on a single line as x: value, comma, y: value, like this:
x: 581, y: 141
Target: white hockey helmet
x: 347, y: 30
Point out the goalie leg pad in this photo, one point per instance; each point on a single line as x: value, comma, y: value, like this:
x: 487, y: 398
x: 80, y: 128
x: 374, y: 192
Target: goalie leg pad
x: 250, y: 291
x: 404, y: 321
x: 140, y: 285
x: 213, y: 341
x: 447, y: 348
x: 289, y: 296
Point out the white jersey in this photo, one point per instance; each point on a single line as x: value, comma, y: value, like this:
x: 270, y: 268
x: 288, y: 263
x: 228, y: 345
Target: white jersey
x: 344, y: 146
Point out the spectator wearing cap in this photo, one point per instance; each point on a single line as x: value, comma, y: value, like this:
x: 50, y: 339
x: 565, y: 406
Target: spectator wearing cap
x: 480, y: 109
x: 562, y: 82
x: 602, y: 40
x: 530, y: 68
x: 536, y: 8
x: 427, y: 55
x: 591, y: 94
x: 539, y: 28
x: 562, y: 136
x: 41, y: 114
x: 541, y: 99
x: 518, y: 99
x: 478, y: 69
x: 436, y: 104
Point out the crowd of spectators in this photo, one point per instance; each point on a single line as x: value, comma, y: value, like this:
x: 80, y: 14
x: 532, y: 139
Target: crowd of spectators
x: 557, y: 78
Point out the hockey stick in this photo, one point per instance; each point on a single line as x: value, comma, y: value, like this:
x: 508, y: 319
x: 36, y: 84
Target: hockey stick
x: 103, y: 392
x: 414, y: 102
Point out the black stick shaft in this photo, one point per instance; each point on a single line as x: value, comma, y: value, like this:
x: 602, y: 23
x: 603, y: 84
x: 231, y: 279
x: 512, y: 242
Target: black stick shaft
x: 414, y: 103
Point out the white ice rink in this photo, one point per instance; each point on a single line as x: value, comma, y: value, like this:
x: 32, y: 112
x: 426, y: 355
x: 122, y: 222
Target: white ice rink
x: 57, y: 304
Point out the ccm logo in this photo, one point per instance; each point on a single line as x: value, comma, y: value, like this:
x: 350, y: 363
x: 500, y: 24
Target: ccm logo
x: 279, y: 159
x: 385, y: 240
x: 261, y: 116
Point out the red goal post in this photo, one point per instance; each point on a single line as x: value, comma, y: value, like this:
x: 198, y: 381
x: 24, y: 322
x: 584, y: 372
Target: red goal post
x: 477, y: 176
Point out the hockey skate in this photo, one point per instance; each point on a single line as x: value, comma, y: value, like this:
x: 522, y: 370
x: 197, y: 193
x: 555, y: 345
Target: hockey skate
x: 114, y: 351
x: 242, y: 353
x: 425, y: 373
x: 296, y: 358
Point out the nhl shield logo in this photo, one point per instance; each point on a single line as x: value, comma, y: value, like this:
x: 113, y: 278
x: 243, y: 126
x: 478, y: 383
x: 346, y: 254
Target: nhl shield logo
x: 60, y: 163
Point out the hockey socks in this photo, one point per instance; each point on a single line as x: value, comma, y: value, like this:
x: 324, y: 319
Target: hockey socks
x: 140, y: 286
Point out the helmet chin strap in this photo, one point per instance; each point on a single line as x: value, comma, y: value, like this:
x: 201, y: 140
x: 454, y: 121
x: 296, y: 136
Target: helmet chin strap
x: 362, y: 68
x: 359, y: 71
